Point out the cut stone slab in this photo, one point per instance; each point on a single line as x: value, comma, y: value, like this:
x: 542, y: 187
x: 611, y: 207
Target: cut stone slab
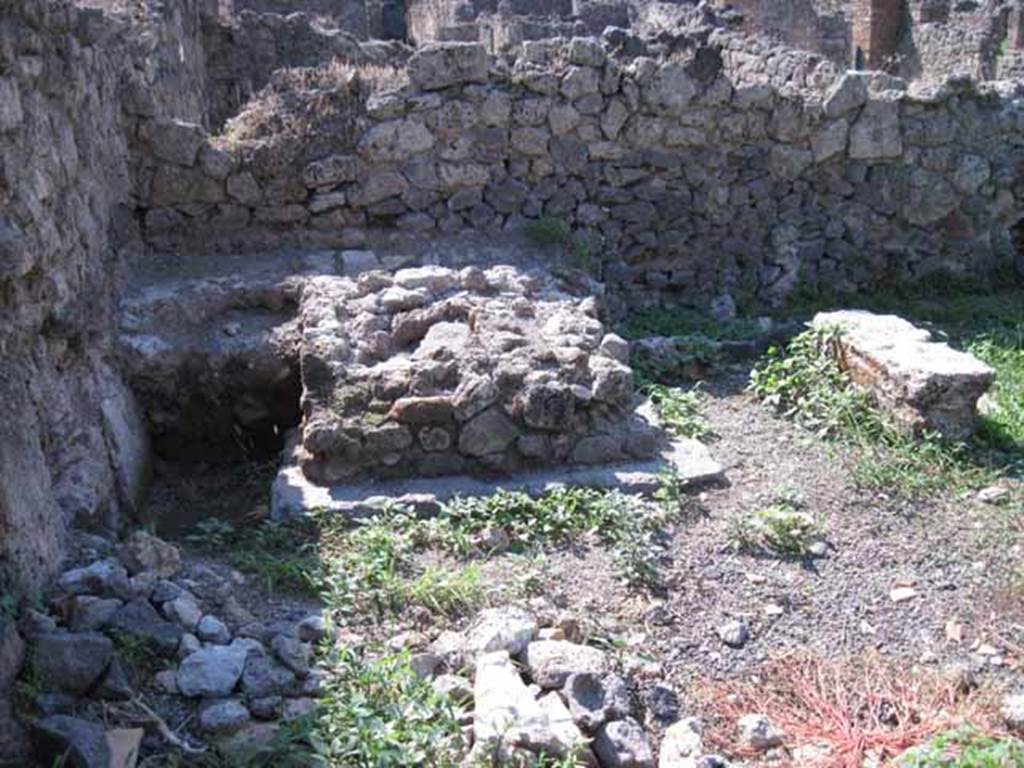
x: 925, y: 384
x: 294, y: 495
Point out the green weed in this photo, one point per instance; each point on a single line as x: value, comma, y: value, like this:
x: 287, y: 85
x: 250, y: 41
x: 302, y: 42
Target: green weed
x: 375, y: 713
x: 547, y: 230
x: 965, y: 748
x: 804, y: 383
x: 623, y: 522
x: 680, y: 411
x: 687, y: 322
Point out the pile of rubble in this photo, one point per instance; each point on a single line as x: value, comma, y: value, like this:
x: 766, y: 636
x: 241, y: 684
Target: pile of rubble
x: 523, y: 679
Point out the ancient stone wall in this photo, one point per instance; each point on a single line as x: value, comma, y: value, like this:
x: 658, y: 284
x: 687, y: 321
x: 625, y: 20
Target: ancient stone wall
x: 348, y: 15
x: 71, y: 446
x: 677, y: 182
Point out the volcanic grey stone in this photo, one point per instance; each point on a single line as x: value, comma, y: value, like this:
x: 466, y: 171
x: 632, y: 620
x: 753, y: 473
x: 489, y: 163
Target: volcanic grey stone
x: 440, y: 65
x: 81, y: 743
x: 507, y: 628
x: 264, y: 676
x: 71, y: 662
x: 623, y: 744
x: 734, y: 633
x: 293, y: 653
x: 99, y: 578
x: 139, y: 619
x: 681, y: 746
x: 757, y: 731
x: 91, y: 613
x: 594, y: 699
x: 223, y: 716
x: 144, y: 552
x: 115, y: 685
x: 551, y: 662
x: 213, y: 630
x: 213, y: 671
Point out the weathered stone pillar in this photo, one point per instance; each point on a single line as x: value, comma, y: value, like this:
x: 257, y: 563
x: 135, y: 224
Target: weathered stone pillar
x: 876, y: 31
x: 1015, y: 27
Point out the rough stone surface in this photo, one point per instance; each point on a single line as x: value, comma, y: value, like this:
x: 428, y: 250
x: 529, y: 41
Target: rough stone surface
x: 924, y: 384
x: 144, y: 552
x: 623, y: 744
x: 758, y: 732
x: 71, y: 662
x: 551, y: 662
x: 213, y: 671
x: 507, y: 717
x: 61, y: 737
x: 507, y: 629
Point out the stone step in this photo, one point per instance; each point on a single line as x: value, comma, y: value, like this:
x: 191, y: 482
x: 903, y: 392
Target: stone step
x: 293, y: 495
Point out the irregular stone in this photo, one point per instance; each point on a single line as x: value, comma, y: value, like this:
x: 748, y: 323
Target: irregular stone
x: 184, y: 611
x: 213, y: 630
x: 455, y: 687
x: 440, y: 65
x: 507, y: 628
x: 144, y: 552
x: 264, y: 676
x: 223, y: 716
x: 91, y: 613
x: 507, y: 717
x: 292, y: 709
x: 266, y: 708
x: 70, y: 663
x: 876, y: 133
x: 174, y: 141
x: 62, y: 739
x: 312, y: 629
x: 757, y: 731
x: 924, y: 384
x: 212, y: 671
x: 830, y: 141
x: 681, y: 746
x: 115, y: 685
x: 594, y: 699
x: 1012, y: 710
x: 849, y: 93
x: 138, y: 618
x: 615, y: 347
x: 551, y: 662
x: 99, y: 578
x: 623, y: 744
x: 331, y: 170
x: 293, y: 653
x: 489, y: 432
x: 354, y: 263
x: 734, y: 633
x: 434, y: 279
x: 662, y: 702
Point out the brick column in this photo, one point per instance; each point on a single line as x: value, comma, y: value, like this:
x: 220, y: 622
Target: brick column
x: 876, y: 30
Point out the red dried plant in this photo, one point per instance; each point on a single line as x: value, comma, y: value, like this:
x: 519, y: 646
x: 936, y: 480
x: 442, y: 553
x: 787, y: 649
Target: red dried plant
x: 853, y: 708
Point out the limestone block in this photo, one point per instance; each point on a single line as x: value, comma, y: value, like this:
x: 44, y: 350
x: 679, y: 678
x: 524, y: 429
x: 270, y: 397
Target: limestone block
x: 923, y: 383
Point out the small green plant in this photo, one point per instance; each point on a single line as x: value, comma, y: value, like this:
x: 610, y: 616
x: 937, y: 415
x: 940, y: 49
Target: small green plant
x: 547, y: 230
x: 803, y: 382
x: 965, y: 748
x: 621, y: 521
x: 687, y: 322
x: 781, y: 528
x: 375, y: 713
x: 680, y: 411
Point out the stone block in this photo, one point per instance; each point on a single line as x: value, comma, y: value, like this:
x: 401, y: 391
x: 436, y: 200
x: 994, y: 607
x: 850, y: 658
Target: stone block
x: 924, y: 384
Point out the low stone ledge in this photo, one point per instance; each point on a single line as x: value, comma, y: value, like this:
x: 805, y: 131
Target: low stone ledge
x: 294, y: 495
x: 925, y: 384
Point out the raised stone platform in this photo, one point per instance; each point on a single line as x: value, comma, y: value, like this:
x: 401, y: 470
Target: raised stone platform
x: 435, y: 371
x: 925, y: 384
